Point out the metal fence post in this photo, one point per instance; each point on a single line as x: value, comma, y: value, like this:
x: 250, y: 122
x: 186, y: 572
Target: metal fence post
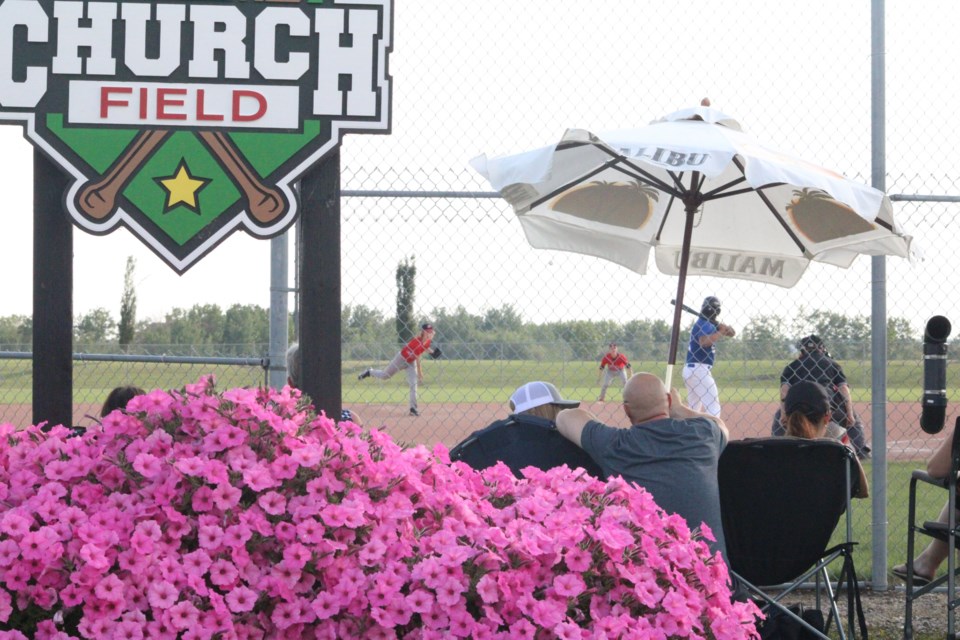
x: 878, y: 313
x: 279, y: 325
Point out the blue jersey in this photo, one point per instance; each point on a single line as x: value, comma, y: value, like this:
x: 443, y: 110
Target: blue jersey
x: 695, y: 353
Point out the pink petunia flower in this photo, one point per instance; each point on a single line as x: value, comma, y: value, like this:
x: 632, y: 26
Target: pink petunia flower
x: 577, y: 559
x: 6, y: 605
x: 273, y: 503
x: 147, y: 465
x: 162, y: 595
x: 128, y: 630
x: 241, y: 599
x: 225, y: 496
x: 569, y: 585
x: 15, y: 524
x: 223, y: 573
x: 110, y: 588
x: 183, y: 615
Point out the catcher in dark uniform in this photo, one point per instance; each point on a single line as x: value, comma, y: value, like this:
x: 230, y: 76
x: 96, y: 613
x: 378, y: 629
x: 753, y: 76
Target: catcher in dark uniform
x: 815, y: 364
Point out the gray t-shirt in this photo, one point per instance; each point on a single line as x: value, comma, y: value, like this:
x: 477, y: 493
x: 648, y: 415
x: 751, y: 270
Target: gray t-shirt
x: 675, y: 460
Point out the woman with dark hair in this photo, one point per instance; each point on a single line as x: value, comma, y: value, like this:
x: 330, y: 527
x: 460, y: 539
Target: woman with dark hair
x: 806, y: 408
x: 119, y: 398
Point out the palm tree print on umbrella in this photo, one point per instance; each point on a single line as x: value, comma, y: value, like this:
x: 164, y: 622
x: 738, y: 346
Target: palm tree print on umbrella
x: 821, y: 218
x: 625, y: 204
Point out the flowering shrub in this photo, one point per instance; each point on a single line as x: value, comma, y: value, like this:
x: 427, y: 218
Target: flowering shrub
x: 242, y: 514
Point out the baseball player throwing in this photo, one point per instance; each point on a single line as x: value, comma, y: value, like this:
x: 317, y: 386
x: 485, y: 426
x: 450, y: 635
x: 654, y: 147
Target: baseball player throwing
x: 408, y: 360
x: 613, y: 365
x: 702, y: 394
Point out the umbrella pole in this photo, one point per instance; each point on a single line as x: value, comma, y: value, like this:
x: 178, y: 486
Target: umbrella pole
x: 691, y: 202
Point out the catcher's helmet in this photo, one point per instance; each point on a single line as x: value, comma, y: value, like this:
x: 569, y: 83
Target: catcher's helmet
x: 811, y: 343
x: 710, y: 307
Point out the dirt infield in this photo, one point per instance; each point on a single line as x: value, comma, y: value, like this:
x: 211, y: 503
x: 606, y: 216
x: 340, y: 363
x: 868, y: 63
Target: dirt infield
x: 450, y: 423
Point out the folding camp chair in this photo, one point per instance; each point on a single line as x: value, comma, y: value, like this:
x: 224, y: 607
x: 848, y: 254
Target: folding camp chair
x: 948, y: 532
x: 523, y: 441
x: 781, y: 499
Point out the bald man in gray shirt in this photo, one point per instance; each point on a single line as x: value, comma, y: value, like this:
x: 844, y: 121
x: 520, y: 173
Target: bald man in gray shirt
x: 670, y: 450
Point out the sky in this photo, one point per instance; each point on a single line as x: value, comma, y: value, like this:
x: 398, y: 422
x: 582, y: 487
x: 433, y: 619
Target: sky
x: 499, y: 77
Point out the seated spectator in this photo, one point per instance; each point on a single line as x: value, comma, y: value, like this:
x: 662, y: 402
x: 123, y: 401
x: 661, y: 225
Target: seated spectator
x: 927, y: 563
x: 671, y: 450
x: 807, y: 415
x: 293, y: 379
x: 349, y: 415
x: 118, y: 399
x: 527, y: 437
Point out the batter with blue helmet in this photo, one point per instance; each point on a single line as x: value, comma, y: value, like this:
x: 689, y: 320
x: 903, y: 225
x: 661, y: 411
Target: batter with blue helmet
x: 702, y: 393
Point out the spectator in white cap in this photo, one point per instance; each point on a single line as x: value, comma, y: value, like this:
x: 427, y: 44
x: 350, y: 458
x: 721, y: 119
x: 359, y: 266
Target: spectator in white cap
x: 528, y: 437
x: 539, y: 399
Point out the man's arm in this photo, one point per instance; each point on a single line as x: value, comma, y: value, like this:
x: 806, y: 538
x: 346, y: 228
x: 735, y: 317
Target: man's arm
x: 570, y: 424
x: 681, y: 411
x: 723, y: 331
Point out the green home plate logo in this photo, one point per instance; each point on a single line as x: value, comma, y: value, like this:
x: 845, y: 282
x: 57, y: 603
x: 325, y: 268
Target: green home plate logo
x: 187, y: 121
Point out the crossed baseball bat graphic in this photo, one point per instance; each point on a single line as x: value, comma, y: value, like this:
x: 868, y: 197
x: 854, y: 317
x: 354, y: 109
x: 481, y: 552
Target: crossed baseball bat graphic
x: 99, y: 199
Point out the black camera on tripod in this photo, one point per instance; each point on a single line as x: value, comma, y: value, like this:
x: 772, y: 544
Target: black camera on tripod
x: 933, y: 410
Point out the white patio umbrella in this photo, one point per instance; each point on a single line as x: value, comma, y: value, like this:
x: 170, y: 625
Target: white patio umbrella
x: 708, y: 198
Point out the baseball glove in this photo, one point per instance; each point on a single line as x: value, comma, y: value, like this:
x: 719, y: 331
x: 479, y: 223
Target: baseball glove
x: 436, y: 353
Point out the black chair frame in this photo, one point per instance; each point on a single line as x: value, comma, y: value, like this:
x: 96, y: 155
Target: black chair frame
x: 947, y: 532
x: 847, y: 578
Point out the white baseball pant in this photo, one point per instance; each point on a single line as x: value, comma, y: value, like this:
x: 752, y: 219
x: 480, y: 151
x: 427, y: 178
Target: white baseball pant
x: 702, y: 393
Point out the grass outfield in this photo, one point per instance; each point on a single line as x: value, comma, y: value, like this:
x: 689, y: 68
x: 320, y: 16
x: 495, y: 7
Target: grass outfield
x: 459, y: 380
x: 486, y: 380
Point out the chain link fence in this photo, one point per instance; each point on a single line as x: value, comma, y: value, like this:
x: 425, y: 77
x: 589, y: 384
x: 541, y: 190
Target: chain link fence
x: 498, y: 77
x: 95, y: 374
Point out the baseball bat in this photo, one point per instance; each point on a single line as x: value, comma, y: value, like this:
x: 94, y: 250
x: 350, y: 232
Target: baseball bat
x: 264, y: 202
x: 99, y: 200
x: 690, y: 310
x: 700, y: 315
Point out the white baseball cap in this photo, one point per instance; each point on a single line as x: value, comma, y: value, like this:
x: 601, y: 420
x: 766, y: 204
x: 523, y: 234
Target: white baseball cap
x: 537, y: 394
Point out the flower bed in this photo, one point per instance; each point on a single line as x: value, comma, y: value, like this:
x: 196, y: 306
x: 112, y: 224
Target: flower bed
x: 242, y: 514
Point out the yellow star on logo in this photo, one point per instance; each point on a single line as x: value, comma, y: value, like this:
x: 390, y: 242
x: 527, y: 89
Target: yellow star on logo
x: 182, y: 188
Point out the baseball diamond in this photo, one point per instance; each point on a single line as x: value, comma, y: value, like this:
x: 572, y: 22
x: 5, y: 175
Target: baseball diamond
x: 451, y: 422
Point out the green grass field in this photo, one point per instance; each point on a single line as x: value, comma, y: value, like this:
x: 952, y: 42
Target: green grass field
x: 461, y: 380
x: 754, y: 381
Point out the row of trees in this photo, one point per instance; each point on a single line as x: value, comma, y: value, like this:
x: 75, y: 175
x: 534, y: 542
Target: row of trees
x: 496, y: 334
x: 499, y: 333
x: 241, y: 330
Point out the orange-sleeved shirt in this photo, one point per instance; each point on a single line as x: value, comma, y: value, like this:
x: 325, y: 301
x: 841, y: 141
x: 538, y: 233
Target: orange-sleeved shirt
x: 614, y: 362
x: 414, y: 349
